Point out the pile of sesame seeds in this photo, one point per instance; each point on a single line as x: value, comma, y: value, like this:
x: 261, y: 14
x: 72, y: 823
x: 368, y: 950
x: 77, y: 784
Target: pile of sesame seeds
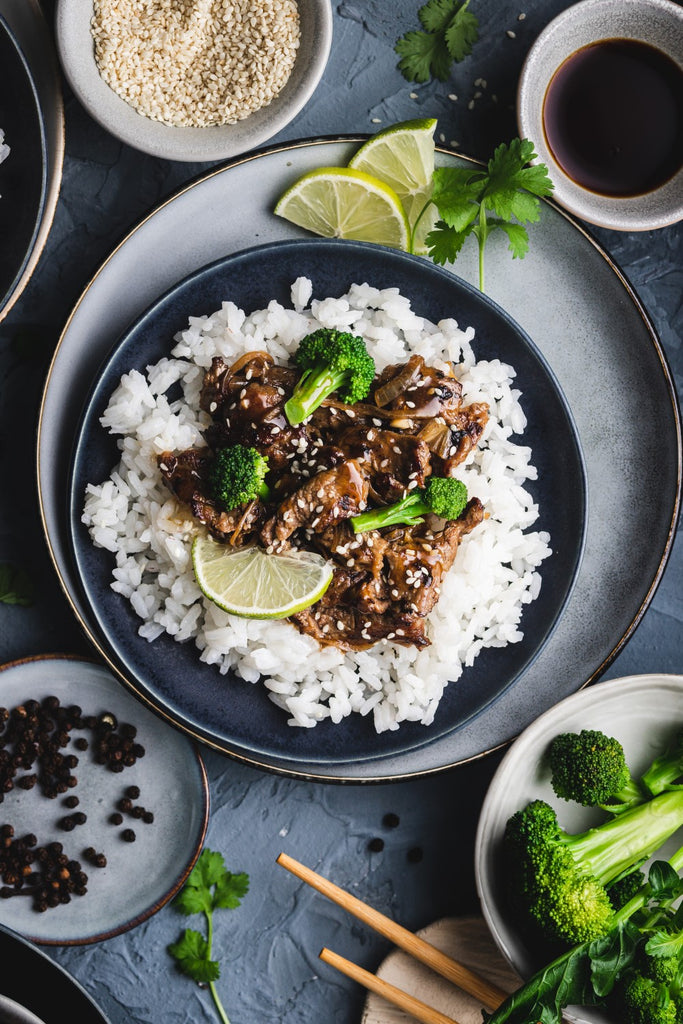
x: 196, y: 63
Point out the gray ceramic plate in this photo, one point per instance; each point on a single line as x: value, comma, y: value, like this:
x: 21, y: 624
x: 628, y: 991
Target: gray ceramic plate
x: 139, y: 877
x: 566, y: 295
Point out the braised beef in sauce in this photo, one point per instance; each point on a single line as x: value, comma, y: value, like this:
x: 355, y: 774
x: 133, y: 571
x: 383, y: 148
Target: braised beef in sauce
x: 330, y: 468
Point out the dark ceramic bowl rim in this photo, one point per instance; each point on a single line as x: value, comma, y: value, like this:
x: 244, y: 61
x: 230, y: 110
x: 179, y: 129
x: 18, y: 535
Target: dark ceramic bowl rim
x: 10, y: 289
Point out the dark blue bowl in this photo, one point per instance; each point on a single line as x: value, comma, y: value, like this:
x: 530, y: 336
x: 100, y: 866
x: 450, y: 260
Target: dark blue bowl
x: 237, y: 717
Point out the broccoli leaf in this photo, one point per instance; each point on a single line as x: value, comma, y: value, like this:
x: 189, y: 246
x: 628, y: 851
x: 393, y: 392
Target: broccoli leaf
x: 610, y: 955
x: 450, y: 31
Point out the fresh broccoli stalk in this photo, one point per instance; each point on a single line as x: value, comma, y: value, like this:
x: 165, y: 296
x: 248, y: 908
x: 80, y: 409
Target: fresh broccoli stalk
x: 442, y: 495
x: 561, y: 881
x: 237, y: 475
x: 331, y: 361
x: 590, y: 768
x: 666, y: 771
x: 597, y: 971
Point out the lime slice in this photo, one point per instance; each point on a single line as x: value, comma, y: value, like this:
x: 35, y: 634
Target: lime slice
x: 340, y: 203
x: 257, y: 585
x: 402, y: 156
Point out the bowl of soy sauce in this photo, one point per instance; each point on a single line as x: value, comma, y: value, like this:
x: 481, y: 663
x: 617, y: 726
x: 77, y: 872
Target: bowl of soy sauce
x: 601, y: 97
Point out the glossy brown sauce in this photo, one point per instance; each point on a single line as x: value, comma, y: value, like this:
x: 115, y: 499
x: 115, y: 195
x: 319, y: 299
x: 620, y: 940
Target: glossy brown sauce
x: 613, y: 117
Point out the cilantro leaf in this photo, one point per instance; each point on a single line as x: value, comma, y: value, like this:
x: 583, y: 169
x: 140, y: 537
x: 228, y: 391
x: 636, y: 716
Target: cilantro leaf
x: 466, y: 198
x: 518, y: 237
x: 230, y: 890
x: 461, y: 34
x: 15, y: 585
x: 209, y: 886
x: 423, y: 55
x: 444, y: 243
x: 450, y: 31
x: 191, y: 953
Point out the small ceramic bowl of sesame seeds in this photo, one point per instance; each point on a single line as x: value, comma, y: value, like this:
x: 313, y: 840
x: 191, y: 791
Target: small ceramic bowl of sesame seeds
x: 190, y: 80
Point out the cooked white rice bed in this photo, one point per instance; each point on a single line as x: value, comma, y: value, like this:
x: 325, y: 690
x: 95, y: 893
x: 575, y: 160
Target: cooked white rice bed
x: 133, y: 515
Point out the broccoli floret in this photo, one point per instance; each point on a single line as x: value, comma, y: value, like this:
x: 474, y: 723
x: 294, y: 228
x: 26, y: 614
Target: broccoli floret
x: 331, y: 361
x: 648, y: 1002
x: 590, y: 768
x: 443, y: 496
x: 237, y: 475
x: 560, y: 881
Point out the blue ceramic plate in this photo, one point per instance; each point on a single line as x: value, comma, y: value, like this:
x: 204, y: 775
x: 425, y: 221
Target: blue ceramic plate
x: 169, y: 675
x: 23, y: 174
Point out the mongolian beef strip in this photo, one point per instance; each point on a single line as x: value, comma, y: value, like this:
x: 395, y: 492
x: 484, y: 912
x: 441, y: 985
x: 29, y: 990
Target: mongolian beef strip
x: 326, y: 470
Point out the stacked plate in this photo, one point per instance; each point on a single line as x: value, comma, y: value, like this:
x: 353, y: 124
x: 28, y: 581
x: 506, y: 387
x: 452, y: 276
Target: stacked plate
x: 597, y: 345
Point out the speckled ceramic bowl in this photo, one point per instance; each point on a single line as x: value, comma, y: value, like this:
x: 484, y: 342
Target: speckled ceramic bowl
x: 643, y: 712
x: 656, y: 22
x: 76, y: 52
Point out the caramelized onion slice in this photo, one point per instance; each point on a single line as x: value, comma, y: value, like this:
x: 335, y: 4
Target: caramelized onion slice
x: 394, y: 387
x: 437, y: 435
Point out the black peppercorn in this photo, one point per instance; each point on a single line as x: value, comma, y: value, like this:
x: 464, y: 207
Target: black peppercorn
x: 376, y: 845
x: 129, y: 835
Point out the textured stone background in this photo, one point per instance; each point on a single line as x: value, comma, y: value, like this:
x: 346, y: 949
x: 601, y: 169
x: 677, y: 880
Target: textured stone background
x: 269, y: 948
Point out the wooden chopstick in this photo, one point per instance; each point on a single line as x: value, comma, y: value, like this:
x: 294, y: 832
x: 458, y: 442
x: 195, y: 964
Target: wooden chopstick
x: 485, y: 992
x: 419, y: 1010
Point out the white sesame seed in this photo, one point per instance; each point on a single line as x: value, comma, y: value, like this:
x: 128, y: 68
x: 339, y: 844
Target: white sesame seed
x: 238, y: 64
x: 510, y: 34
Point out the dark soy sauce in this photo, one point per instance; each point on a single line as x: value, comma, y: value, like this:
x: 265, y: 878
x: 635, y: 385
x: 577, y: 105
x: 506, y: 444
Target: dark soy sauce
x: 613, y: 117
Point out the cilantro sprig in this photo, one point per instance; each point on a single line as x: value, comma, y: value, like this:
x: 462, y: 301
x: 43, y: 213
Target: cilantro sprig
x: 15, y: 585
x: 209, y: 887
x: 477, y: 201
x: 450, y: 32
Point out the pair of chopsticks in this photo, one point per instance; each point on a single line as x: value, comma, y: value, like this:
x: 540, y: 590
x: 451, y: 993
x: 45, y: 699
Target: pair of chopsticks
x: 489, y: 995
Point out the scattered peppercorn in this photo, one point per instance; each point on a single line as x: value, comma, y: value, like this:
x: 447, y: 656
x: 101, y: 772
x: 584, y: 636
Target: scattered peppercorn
x: 376, y: 844
x: 33, y: 738
x: 415, y: 855
x: 391, y: 820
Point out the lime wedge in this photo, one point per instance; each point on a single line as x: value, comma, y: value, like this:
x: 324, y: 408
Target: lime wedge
x: 402, y: 156
x: 337, y: 202
x: 257, y: 585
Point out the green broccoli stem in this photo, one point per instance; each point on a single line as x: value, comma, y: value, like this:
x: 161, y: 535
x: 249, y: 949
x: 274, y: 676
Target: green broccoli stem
x: 554, y: 985
x: 665, y: 770
x: 408, y: 511
x: 313, y: 387
x: 208, y: 914
x: 616, y: 847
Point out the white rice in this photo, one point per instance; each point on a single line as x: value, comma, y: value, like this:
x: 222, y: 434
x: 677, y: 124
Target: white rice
x: 4, y: 148
x: 133, y: 515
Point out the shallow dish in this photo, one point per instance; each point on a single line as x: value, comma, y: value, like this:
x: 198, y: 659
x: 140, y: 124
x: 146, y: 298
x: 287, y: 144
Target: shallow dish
x: 139, y: 877
x: 643, y: 712
x: 76, y: 52
x: 656, y: 22
x: 170, y: 674
x: 45, y: 991
x: 23, y: 174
